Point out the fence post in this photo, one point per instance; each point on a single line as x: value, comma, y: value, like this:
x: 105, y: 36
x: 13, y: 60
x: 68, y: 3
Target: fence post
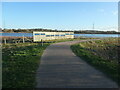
x: 5, y: 40
x: 42, y: 42
x: 23, y: 39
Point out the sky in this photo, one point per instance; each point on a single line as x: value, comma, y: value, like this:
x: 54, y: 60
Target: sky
x: 60, y: 15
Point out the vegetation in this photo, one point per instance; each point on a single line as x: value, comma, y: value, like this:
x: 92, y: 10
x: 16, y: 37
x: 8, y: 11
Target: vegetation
x: 50, y: 30
x: 20, y: 62
x: 95, y: 32
x: 102, y: 54
x: 16, y: 39
x: 64, y: 40
x: 30, y: 40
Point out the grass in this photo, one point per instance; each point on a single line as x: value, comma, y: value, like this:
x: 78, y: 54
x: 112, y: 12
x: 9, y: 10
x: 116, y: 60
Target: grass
x: 102, y: 54
x: 16, y: 39
x: 64, y: 40
x: 20, y: 63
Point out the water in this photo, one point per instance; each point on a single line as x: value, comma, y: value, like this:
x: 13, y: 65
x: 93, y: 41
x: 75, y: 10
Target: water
x: 17, y: 34
x: 97, y: 35
x: 76, y: 35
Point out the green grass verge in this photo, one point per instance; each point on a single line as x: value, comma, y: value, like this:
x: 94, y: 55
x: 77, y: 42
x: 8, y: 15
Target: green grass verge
x: 108, y: 68
x: 20, y: 63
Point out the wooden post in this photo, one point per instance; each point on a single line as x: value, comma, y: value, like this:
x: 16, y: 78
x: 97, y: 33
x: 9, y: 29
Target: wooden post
x: 5, y: 40
x: 23, y: 39
x: 42, y: 42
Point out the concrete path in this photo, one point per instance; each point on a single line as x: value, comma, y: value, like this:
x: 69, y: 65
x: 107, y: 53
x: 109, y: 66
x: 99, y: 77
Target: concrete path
x: 61, y: 68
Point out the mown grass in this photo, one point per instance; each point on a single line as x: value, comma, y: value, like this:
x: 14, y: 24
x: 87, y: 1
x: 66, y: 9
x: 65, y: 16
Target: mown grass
x: 102, y: 54
x: 20, y: 62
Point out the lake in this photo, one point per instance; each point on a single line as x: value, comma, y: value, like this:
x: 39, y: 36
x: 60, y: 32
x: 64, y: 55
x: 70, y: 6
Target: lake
x: 76, y: 35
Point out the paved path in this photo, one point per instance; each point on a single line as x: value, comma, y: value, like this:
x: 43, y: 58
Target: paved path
x: 61, y: 68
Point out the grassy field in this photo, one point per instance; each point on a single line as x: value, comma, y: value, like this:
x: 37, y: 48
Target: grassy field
x: 102, y: 54
x: 20, y: 62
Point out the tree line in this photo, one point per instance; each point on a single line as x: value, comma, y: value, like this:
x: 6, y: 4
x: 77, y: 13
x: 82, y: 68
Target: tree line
x: 50, y: 30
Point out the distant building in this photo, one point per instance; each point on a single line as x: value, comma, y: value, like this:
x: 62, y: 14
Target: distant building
x: 38, y: 36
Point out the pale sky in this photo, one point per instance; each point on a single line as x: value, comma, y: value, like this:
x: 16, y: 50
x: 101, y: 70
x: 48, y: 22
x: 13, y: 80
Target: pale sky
x: 60, y: 15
